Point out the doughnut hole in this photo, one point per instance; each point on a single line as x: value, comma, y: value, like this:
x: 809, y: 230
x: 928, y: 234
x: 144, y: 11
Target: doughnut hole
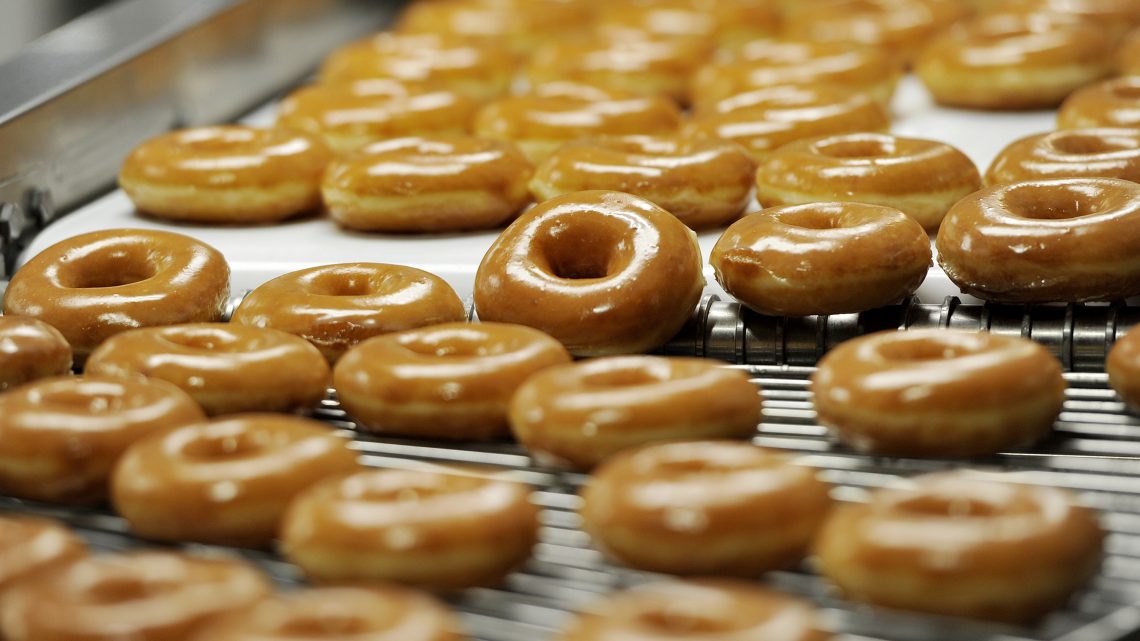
x: 454, y: 343
x: 931, y: 505
x: 225, y: 446
x: 117, y: 268
x: 684, y: 622
x: 123, y: 589
x: 813, y: 218
x: 856, y: 147
x: 105, y: 400
x: 327, y: 624
x: 340, y: 283
x: 204, y: 339
x: 625, y: 377
x: 1082, y: 144
x: 1127, y: 90
x: 1059, y: 202
x: 593, y: 248
x: 922, y: 350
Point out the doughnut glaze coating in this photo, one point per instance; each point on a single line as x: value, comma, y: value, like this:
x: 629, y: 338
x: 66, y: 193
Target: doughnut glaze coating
x: 30, y: 545
x: 1069, y: 153
x: 1123, y: 367
x: 901, y: 27
x: 728, y: 23
x: 520, y: 25
x: 1108, y: 103
x: 30, y: 349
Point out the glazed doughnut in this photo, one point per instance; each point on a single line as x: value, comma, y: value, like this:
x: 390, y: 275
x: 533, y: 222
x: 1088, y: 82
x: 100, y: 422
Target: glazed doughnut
x: 601, y: 271
x: 95, y: 285
x: 372, y: 613
x: 337, y: 306
x: 583, y: 413
x: 479, y: 69
x: 1013, y: 61
x: 558, y: 113
x: 429, y: 184
x: 962, y: 544
x: 734, y: 508
x: 1112, y: 16
x: 1069, y: 153
x: 31, y: 545
x: 60, y: 437
x: 30, y: 349
x: 226, y: 481
x: 1068, y: 240
x: 451, y: 381
x: 522, y: 25
x: 1128, y: 54
x: 938, y: 393
x: 697, y: 611
x: 350, y: 115
x: 168, y: 596
x: 900, y: 27
x: 704, y: 183
x: 728, y: 23
x: 1123, y: 367
x: 922, y: 178
x: 226, y: 174
x: 766, y: 119
x: 225, y: 368
x: 439, y: 529
x: 821, y: 258
x: 1109, y: 103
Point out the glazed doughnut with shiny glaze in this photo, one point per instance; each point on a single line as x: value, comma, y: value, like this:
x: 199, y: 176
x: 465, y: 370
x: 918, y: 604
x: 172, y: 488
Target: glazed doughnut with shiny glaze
x: 168, y: 596
x: 601, y: 271
x: 1063, y: 240
x: 697, y: 611
x: 821, y: 258
x: 30, y: 545
x: 901, y: 27
x: 1109, y: 103
x: 734, y: 508
x: 1123, y: 367
x: 227, y: 481
x: 226, y: 174
x: 337, y: 306
x: 962, y: 544
x: 443, y: 529
x: 704, y: 183
x: 583, y: 413
x: 95, y: 285
x: 350, y: 115
x: 728, y: 23
x: 30, y: 349
x: 226, y: 368
x: 60, y: 437
x: 523, y: 25
x: 428, y: 184
x: 372, y: 613
x: 1069, y: 153
x: 451, y: 381
x: 921, y: 178
x: 938, y: 393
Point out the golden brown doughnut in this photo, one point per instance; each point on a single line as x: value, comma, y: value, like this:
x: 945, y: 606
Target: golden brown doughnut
x: 1109, y: 103
x: 938, y: 393
x: 821, y: 258
x: 350, y: 115
x: 226, y: 174
x: 522, y: 25
x: 901, y: 27
x: 735, y: 509
x: 704, y: 183
x: 451, y: 381
x: 60, y: 437
x: 1069, y: 153
x: 921, y: 178
x: 337, y: 306
x: 226, y: 481
x: 601, y: 271
x: 226, y: 368
x: 31, y: 545
x: 444, y: 529
x: 729, y: 23
x: 95, y: 285
x: 428, y: 184
x: 585, y: 412
x: 30, y: 349
x: 1071, y: 239
x: 961, y: 544
x: 1123, y: 367
x: 168, y: 596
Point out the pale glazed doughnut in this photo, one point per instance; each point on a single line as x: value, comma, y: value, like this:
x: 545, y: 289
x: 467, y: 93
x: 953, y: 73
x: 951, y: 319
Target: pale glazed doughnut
x: 350, y: 115
x: 585, y: 412
x: 901, y: 27
x: 558, y: 113
x: 95, y: 285
x: 1069, y: 153
x: 728, y: 23
x: 451, y: 381
x: 735, y: 509
x: 1071, y: 239
x: 372, y: 613
x: 227, y: 481
x: 30, y: 349
x: 821, y: 258
x: 1123, y: 367
x: 443, y: 529
x: 962, y: 545
x: 766, y: 119
x: 1109, y: 103
x: 601, y: 271
x: 337, y: 306
x: 479, y: 69
x: 938, y: 393
x: 522, y: 25
x: 428, y: 184
x: 60, y: 437
x: 226, y: 368
x: 226, y: 174
x: 1013, y: 61
x: 30, y: 545
x: 168, y: 596
x: 697, y: 611
x: 704, y: 183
